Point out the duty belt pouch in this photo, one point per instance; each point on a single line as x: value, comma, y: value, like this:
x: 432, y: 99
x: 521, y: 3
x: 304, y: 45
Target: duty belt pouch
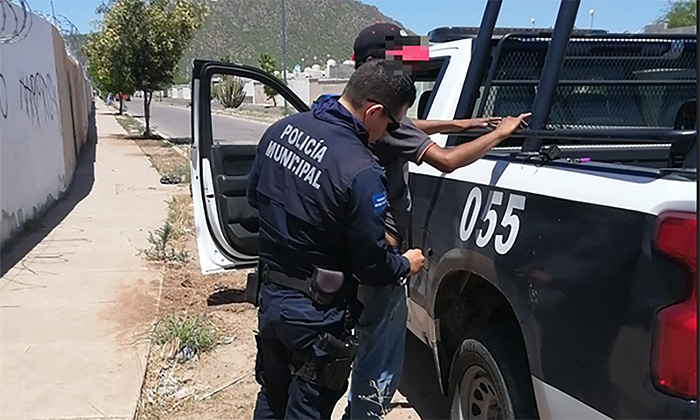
x: 335, y: 367
x: 325, y: 284
x: 252, y: 287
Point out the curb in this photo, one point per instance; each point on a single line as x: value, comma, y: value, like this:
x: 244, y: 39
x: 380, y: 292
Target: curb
x: 163, y: 138
x: 226, y: 114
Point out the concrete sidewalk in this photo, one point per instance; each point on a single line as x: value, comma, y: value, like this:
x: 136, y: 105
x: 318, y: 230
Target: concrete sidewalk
x: 75, y: 309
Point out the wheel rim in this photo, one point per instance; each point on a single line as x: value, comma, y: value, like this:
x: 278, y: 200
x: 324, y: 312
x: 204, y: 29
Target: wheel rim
x: 476, y: 397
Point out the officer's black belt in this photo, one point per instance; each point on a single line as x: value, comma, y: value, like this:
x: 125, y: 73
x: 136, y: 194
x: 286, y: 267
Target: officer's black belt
x: 281, y: 279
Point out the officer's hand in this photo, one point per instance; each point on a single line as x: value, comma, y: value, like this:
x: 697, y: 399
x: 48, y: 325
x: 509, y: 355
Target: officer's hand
x: 415, y: 259
x: 509, y: 124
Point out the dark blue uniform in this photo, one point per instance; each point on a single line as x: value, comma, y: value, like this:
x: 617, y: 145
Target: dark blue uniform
x: 322, y: 202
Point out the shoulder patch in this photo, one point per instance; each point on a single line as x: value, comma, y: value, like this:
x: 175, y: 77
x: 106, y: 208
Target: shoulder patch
x: 379, y: 202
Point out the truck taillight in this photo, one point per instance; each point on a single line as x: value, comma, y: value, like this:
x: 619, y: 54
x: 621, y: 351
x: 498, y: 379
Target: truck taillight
x: 674, y: 365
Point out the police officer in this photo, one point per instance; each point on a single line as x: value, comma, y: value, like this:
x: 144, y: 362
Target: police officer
x: 321, y: 201
x: 381, y: 328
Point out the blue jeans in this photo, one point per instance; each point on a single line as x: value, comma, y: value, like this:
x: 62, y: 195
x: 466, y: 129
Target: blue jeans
x: 381, y: 331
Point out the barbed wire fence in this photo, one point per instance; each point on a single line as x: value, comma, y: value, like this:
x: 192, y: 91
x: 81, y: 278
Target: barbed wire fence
x: 16, y: 23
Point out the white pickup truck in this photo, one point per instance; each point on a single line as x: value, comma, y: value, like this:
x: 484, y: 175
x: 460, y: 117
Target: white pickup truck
x: 562, y: 267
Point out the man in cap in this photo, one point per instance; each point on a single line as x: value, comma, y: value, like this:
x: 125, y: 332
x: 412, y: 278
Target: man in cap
x: 381, y: 328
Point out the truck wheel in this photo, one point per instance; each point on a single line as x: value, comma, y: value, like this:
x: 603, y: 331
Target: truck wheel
x: 489, y: 377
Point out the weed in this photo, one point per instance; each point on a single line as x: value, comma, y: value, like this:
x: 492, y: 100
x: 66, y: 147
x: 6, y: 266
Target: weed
x: 132, y: 126
x: 162, y: 248
x: 182, y: 170
x: 378, y: 398
x: 194, y: 331
x: 179, y: 214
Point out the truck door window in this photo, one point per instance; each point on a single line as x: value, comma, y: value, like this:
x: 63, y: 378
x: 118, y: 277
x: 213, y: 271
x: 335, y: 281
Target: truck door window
x: 427, y: 81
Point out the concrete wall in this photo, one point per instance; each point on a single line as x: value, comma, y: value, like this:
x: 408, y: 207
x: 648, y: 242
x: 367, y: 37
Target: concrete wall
x: 45, y: 103
x: 259, y: 97
x: 307, y: 89
x: 662, y: 28
x: 318, y: 87
x: 340, y: 71
x: 300, y: 87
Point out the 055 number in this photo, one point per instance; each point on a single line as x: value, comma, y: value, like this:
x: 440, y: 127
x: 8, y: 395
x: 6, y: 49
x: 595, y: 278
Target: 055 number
x: 470, y: 215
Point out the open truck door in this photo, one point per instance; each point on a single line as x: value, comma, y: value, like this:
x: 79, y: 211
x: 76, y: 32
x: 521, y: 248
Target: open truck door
x: 222, y: 155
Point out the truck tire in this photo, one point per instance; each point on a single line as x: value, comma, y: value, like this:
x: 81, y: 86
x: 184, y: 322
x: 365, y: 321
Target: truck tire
x: 489, y: 377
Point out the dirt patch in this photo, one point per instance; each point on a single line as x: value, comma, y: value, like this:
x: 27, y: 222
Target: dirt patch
x: 177, y: 390
x: 132, y: 126
x: 134, y: 309
x: 171, y: 165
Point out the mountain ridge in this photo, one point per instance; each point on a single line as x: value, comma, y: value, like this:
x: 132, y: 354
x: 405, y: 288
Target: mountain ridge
x: 241, y: 30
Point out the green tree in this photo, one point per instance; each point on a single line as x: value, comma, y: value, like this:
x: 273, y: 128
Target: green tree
x: 166, y: 27
x: 267, y: 63
x: 680, y: 13
x: 150, y: 37
x: 108, y: 58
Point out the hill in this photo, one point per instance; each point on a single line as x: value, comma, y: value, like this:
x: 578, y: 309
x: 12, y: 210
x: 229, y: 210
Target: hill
x: 243, y: 29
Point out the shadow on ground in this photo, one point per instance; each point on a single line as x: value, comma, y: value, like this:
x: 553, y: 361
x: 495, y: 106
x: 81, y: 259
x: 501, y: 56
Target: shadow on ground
x: 43, y: 224
x: 180, y: 140
x: 137, y: 137
x: 419, y: 383
x: 224, y: 297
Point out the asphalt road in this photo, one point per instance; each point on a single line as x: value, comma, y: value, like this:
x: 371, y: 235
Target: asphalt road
x: 174, y: 122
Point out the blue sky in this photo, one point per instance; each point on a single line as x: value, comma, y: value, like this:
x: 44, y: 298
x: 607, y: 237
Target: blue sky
x: 423, y: 15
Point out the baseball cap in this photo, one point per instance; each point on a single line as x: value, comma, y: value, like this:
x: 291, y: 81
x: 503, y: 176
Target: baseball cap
x: 386, y: 39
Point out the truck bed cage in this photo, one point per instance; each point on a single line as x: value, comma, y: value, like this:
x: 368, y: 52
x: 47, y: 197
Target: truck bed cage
x: 580, y: 85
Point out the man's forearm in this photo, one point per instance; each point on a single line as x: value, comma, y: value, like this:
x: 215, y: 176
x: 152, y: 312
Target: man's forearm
x: 431, y: 127
x: 447, y: 160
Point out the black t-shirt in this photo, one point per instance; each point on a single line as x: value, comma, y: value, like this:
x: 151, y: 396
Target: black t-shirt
x: 393, y: 152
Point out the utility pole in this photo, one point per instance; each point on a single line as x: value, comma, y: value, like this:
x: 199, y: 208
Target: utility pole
x: 284, y: 50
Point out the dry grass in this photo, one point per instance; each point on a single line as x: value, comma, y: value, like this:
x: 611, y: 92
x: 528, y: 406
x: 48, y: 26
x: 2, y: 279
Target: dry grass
x: 174, y: 385
x: 168, y: 162
x: 130, y: 124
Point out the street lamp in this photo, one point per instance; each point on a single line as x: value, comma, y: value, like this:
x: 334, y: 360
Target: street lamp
x: 195, y: 43
x: 284, y: 51
x: 284, y: 45
x: 532, y: 20
x: 592, y: 13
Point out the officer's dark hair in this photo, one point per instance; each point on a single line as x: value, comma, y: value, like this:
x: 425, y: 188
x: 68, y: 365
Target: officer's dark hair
x: 383, y: 81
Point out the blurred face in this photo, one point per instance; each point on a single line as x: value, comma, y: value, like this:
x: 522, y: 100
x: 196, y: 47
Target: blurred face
x: 379, y: 120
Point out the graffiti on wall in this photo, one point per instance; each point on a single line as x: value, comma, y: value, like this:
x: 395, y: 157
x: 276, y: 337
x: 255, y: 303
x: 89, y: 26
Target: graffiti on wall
x: 3, y: 97
x: 37, y: 97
